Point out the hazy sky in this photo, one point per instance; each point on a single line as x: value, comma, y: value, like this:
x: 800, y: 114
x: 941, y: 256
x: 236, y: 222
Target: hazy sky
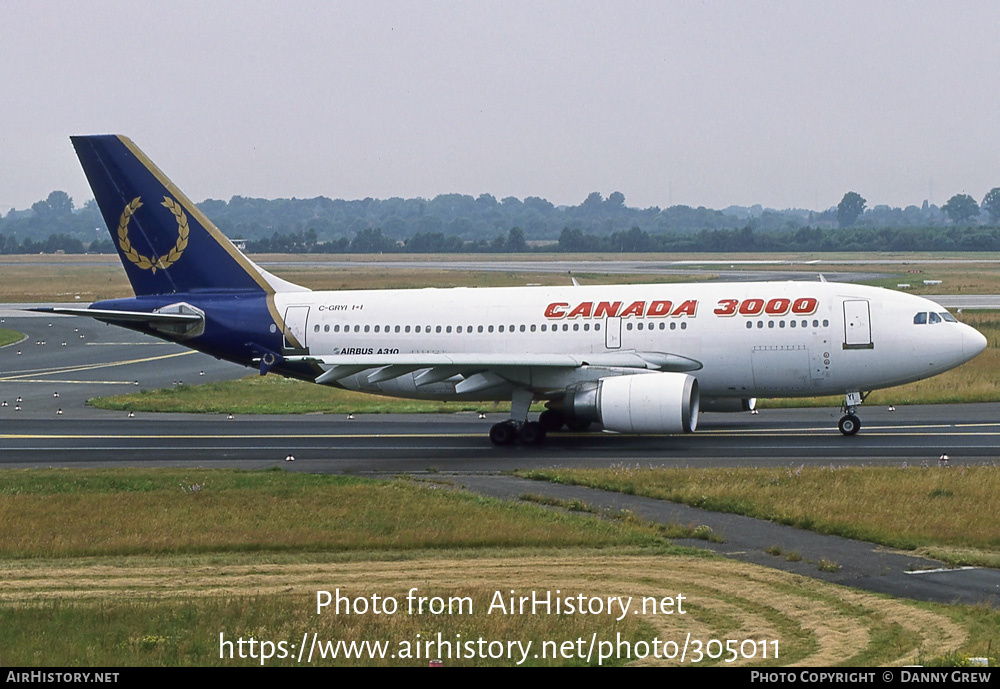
x: 700, y: 103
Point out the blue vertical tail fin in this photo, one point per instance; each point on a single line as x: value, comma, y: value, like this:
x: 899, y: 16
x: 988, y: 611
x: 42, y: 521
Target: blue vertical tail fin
x: 165, y: 242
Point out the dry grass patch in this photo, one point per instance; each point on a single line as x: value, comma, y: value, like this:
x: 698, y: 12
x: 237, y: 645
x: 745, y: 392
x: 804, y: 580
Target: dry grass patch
x: 156, y: 612
x: 62, y: 278
x: 393, y: 277
x: 38, y: 278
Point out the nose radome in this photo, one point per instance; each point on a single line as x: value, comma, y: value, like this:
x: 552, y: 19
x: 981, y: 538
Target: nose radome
x: 973, y: 342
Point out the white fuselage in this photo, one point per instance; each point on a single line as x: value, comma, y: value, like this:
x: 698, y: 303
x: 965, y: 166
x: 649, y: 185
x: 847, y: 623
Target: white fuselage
x: 764, y: 339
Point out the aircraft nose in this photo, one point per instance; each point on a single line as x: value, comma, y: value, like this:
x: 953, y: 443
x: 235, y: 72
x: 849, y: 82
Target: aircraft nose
x: 973, y: 342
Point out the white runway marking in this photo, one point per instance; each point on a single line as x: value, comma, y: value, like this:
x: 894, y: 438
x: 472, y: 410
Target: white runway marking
x: 127, y: 344
x: 21, y: 375
x: 75, y: 382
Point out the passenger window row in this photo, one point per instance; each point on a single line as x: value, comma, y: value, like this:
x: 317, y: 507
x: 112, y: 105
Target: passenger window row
x: 458, y: 329
x: 791, y: 324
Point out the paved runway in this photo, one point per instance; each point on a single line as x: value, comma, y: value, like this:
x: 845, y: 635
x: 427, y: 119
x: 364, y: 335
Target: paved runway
x: 916, y: 436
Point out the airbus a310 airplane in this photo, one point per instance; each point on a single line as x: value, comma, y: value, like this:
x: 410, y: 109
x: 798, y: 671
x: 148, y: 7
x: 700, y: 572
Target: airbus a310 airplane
x: 633, y: 358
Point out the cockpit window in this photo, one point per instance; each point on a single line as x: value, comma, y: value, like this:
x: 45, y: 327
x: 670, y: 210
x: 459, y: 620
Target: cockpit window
x: 924, y: 318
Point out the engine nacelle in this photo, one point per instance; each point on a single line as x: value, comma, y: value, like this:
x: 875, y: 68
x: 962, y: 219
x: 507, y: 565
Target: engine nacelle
x: 728, y: 404
x: 640, y: 403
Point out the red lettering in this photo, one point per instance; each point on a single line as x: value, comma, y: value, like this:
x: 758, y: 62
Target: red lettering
x: 606, y: 309
x: 658, y: 309
x: 688, y: 308
x: 804, y: 306
x: 581, y: 310
x: 751, y: 307
x: 636, y: 308
x: 726, y: 307
x: 777, y: 307
x: 556, y: 310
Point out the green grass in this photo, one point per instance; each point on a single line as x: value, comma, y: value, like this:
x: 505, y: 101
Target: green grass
x: 9, y: 336
x: 939, y: 509
x: 58, y: 513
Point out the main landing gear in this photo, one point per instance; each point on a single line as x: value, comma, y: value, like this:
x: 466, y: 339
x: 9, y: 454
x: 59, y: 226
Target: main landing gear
x: 507, y: 432
x: 850, y: 424
x: 519, y: 429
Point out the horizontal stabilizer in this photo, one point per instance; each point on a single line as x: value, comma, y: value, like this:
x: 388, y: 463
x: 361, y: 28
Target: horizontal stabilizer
x: 112, y: 316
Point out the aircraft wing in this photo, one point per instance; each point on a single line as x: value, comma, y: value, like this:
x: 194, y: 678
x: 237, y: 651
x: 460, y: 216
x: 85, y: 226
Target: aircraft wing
x: 441, y: 366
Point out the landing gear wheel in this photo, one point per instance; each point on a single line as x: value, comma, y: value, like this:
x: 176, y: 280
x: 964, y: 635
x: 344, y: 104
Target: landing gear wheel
x: 503, y: 433
x: 531, y: 433
x: 849, y: 424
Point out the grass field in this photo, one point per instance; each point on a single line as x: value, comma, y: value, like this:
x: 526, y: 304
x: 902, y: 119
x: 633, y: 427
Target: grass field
x: 45, y: 278
x: 946, y: 513
x: 150, y: 567
x: 9, y: 336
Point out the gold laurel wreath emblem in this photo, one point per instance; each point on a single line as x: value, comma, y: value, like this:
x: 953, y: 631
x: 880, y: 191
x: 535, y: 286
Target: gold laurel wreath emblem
x: 154, y: 262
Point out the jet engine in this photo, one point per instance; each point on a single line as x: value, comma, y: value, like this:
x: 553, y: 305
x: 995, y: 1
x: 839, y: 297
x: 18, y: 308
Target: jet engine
x: 641, y: 403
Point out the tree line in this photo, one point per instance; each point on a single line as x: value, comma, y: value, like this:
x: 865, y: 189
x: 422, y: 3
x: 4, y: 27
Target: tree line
x: 637, y: 240
x: 458, y: 223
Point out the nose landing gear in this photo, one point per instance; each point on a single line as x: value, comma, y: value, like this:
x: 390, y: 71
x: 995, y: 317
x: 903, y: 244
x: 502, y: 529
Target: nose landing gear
x: 850, y: 424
